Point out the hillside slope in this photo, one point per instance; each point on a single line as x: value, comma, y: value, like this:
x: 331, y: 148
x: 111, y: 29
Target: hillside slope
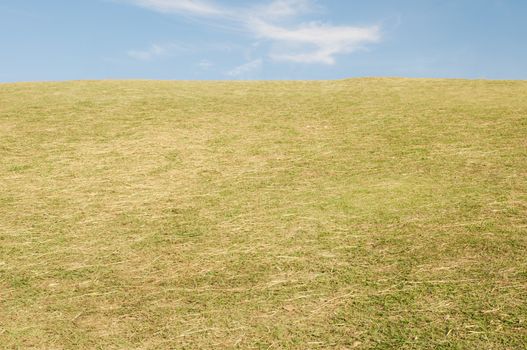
x: 364, y: 213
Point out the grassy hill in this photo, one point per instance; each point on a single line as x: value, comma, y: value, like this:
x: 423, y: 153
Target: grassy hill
x: 364, y: 213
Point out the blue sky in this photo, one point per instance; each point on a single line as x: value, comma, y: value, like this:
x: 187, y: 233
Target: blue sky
x: 264, y: 39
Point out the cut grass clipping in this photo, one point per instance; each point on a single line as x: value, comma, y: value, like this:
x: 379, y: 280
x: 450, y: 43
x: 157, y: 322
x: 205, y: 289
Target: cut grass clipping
x: 364, y: 213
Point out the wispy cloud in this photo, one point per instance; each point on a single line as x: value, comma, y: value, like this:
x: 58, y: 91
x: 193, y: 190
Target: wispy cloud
x: 157, y: 51
x: 146, y: 55
x: 205, y: 64
x: 278, y: 22
x: 280, y: 9
x: 323, y: 42
x: 196, y: 7
x: 245, y: 68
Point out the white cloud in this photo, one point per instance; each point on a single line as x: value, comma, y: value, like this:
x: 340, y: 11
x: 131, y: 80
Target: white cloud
x: 323, y: 41
x: 311, y: 42
x: 245, y: 68
x: 148, y: 54
x: 205, y: 64
x: 279, y: 9
x: 196, y: 7
x: 156, y: 51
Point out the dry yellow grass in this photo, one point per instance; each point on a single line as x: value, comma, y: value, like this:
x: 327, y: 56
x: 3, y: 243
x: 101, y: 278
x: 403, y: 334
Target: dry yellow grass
x: 365, y: 213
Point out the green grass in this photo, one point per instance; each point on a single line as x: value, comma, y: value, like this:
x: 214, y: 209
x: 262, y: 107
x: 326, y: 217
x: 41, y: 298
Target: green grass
x: 364, y: 213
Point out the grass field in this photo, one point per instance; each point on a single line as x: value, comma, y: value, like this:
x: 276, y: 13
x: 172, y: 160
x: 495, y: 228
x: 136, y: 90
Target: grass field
x: 363, y: 213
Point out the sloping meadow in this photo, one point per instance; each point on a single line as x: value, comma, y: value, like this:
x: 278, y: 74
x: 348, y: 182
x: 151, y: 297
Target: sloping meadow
x: 363, y: 213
